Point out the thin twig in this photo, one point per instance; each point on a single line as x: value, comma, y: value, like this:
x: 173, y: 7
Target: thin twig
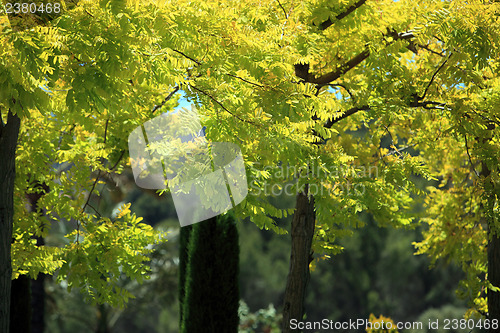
x: 434, y: 75
x: 65, y: 133
x: 106, y: 130
x: 205, y: 54
x: 381, y: 158
x: 395, y: 151
x: 283, y: 8
x: 242, y: 79
x: 186, y: 56
x: 95, y: 210
x: 287, y: 15
x: 438, y: 38
x: 87, y: 202
x: 176, y: 89
x: 398, y: 151
x: 92, y: 190
x: 486, y: 118
x: 468, y: 154
x: 222, y: 106
x: 426, y: 47
x: 118, y: 161
x: 99, y: 175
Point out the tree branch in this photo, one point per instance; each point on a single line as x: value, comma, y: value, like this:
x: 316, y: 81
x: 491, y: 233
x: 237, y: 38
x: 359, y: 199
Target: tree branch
x: 283, y: 8
x: 186, y: 56
x: 470, y: 159
x: 106, y: 130
x: 176, y: 89
x: 346, y: 114
x: 434, y: 75
x: 302, y: 70
x: 95, y: 210
x: 429, y: 105
x: 485, y: 118
x: 398, y: 151
x: 400, y: 35
x: 330, y: 122
x: 338, y: 72
x: 222, y: 106
x: 118, y: 161
x: 342, y: 15
x: 92, y: 190
x: 86, y: 11
x: 426, y: 47
x: 242, y: 79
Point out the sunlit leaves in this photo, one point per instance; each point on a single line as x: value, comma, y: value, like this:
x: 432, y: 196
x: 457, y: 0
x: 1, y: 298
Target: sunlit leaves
x: 104, y: 251
x: 94, y: 74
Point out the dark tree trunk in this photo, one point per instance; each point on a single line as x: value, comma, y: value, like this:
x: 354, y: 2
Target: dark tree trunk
x: 38, y: 284
x: 28, y: 295
x: 184, y: 236
x: 211, y: 290
x: 38, y: 304
x: 494, y: 278
x: 102, y: 319
x: 8, y: 141
x: 493, y: 251
x: 302, y: 232
x: 20, y: 306
x: 493, y: 238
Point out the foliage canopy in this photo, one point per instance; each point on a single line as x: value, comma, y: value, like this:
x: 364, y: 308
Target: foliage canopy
x: 314, y: 85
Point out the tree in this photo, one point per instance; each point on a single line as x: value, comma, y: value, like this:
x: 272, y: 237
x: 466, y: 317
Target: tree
x: 211, y: 291
x: 430, y: 42
x: 29, y: 293
x: 42, y: 78
x: 462, y: 212
x: 461, y: 150
x: 8, y: 141
x: 184, y: 236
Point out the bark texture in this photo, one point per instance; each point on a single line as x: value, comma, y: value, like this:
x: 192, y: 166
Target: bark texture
x: 302, y: 232
x: 9, y: 133
x: 20, y: 306
x: 38, y: 285
x: 493, y: 251
x: 494, y: 278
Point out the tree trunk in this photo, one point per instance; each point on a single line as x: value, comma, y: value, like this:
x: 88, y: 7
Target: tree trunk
x: 302, y: 232
x: 494, y: 278
x: 493, y: 251
x: 38, y: 285
x: 184, y: 235
x: 102, y: 319
x: 38, y: 304
x: 493, y: 297
x: 8, y: 141
x: 20, y: 305
x: 27, y: 306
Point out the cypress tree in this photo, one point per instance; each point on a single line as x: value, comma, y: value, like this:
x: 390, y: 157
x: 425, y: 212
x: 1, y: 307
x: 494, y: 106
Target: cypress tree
x: 227, y: 264
x: 184, y: 235
x: 211, y: 288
